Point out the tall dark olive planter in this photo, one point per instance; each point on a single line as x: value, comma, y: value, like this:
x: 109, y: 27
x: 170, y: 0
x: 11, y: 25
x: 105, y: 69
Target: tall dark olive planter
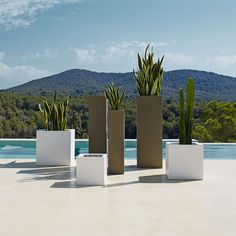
x: 116, y: 136
x: 97, y: 124
x: 149, y: 132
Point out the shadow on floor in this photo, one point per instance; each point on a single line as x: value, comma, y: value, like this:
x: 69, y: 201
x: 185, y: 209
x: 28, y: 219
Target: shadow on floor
x: 68, y: 184
x: 15, y: 164
x: 160, y: 179
x: 49, y: 173
x: 72, y: 184
x: 129, y: 168
x: 123, y: 184
x: 68, y: 174
x: 132, y: 168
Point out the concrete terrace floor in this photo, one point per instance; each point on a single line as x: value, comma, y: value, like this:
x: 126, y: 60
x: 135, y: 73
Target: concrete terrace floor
x: 45, y: 201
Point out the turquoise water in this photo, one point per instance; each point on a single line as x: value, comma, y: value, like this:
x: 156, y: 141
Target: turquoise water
x: 25, y: 149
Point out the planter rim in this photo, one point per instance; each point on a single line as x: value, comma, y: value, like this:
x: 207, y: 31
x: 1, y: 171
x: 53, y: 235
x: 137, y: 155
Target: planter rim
x: 66, y: 130
x: 92, y: 155
x: 187, y: 145
x: 116, y: 110
x: 146, y: 96
x: 96, y: 96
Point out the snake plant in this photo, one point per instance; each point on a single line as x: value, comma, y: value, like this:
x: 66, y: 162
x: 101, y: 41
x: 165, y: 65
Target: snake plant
x: 114, y: 96
x: 186, y: 114
x: 55, y: 114
x: 149, y: 75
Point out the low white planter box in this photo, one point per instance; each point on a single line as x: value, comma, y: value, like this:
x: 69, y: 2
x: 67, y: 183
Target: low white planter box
x: 55, y: 147
x: 91, y: 169
x: 184, y: 161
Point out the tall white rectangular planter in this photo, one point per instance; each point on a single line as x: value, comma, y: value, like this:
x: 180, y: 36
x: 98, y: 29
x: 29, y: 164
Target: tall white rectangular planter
x: 55, y: 147
x: 91, y: 169
x: 184, y: 161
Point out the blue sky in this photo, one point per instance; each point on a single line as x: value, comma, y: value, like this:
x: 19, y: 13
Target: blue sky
x: 43, y: 37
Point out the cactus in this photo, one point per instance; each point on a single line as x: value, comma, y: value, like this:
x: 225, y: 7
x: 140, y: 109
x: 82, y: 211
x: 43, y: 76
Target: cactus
x: 182, y: 131
x: 150, y: 74
x: 114, y: 96
x: 186, y: 115
x: 54, y: 115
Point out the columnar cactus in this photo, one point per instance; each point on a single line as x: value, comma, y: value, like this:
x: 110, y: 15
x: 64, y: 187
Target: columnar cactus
x: 186, y: 114
x: 54, y: 115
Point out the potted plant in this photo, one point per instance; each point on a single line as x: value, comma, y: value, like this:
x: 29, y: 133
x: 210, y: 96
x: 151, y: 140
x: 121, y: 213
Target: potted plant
x: 116, y: 130
x: 149, y: 77
x: 56, y: 144
x: 184, y: 160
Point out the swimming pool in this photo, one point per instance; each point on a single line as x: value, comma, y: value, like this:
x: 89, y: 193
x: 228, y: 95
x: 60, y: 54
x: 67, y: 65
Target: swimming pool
x: 25, y: 149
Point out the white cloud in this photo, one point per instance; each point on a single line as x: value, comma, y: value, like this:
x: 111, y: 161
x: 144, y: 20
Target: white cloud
x: 59, y: 19
x: 122, y: 56
x: 178, y: 58
x: 222, y: 61
x: 112, y: 52
x: 2, y: 55
x: 21, y: 13
x: 129, y: 49
x: 116, y: 56
x: 222, y: 64
x: 85, y: 55
x: 115, y: 51
x: 29, y: 72
x: 12, y: 75
x: 46, y: 53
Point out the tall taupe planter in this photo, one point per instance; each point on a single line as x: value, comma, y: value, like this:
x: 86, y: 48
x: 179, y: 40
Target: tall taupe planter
x: 97, y: 124
x: 149, y: 132
x: 116, y: 136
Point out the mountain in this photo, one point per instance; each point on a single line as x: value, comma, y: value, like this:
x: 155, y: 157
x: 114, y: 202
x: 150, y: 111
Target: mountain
x: 79, y: 82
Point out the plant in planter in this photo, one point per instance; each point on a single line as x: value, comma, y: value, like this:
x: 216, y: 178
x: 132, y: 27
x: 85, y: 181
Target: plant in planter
x: 54, y: 115
x: 116, y: 130
x: 149, y: 77
x: 55, y: 144
x: 184, y: 160
x: 186, y: 114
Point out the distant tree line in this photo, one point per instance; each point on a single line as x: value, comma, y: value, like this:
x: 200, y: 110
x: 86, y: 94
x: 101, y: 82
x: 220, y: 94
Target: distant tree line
x: 213, y: 122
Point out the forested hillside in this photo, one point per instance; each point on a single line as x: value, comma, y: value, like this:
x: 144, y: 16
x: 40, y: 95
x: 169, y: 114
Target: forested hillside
x: 20, y: 118
x: 209, y: 86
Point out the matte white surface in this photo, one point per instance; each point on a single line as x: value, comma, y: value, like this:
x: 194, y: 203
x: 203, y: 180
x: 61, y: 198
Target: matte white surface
x: 184, y: 161
x: 55, y: 147
x: 91, y: 170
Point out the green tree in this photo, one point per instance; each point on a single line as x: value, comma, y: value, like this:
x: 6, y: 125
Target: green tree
x: 218, y: 123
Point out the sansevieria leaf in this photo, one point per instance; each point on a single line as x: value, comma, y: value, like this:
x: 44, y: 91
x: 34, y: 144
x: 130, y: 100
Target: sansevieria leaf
x: 54, y: 115
x: 148, y: 73
x: 114, y: 96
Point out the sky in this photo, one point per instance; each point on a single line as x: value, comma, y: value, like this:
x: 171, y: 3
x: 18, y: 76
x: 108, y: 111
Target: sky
x: 43, y: 37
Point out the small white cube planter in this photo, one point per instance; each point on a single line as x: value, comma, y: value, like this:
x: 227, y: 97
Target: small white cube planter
x: 55, y: 147
x: 184, y: 161
x: 91, y: 169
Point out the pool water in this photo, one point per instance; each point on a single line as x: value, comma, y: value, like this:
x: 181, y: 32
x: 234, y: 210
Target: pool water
x: 26, y: 149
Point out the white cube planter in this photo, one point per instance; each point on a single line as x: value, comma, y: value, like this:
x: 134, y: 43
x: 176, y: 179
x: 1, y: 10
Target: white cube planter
x: 55, y: 147
x: 184, y: 161
x: 91, y: 169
